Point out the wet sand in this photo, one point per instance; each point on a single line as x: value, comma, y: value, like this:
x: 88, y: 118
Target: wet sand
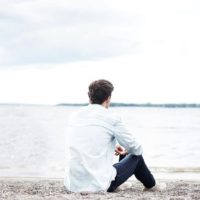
x: 53, y: 189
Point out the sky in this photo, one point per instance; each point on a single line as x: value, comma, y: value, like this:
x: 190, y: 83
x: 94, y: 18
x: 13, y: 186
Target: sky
x: 50, y: 51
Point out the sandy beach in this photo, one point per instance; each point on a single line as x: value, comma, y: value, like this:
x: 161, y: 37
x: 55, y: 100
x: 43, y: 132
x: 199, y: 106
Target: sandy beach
x: 53, y: 189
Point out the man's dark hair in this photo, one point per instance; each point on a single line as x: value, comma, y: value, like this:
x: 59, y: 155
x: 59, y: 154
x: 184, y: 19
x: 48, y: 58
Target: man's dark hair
x: 99, y: 91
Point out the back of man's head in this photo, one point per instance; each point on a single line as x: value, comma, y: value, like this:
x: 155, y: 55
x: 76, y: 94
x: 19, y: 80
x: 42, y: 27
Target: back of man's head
x: 99, y: 91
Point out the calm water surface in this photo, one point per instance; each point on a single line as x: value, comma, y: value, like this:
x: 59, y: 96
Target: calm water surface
x: 32, y: 139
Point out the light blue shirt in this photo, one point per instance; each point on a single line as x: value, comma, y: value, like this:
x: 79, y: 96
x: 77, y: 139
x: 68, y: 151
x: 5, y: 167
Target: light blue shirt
x: 91, y: 138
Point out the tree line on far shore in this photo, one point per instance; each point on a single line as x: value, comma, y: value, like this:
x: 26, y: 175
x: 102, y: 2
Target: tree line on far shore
x: 165, y: 105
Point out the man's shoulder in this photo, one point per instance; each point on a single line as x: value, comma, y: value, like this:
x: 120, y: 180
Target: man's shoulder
x: 79, y: 111
x: 112, y: 117
x: 106, y: 115
x: 116, y: 118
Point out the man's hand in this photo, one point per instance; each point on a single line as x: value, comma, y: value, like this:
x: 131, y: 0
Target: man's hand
x: 119, y: 150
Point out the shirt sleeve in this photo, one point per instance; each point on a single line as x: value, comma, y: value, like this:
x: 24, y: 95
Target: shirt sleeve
x: 126, y: 139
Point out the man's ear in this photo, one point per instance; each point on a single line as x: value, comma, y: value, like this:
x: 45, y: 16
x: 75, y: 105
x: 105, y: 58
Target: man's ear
x: 109, y: 98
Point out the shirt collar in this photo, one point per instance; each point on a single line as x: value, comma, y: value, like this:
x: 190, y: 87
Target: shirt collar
x: 97, y: 106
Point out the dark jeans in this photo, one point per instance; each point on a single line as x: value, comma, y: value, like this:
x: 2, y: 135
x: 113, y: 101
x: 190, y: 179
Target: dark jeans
x: 129, y: 165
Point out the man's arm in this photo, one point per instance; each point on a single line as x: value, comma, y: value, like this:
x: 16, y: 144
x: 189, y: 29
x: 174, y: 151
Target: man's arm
x: 125, y: 138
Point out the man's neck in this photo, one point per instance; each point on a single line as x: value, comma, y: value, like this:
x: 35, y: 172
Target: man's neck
x: 105, y: 104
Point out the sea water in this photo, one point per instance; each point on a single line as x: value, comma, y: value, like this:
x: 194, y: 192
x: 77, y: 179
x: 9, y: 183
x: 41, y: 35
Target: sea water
x: 32, y: 139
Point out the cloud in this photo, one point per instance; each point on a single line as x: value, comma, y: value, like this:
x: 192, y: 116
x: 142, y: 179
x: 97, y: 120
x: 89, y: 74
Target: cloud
x: 40, y: 32
x: 133, y: 79
x: 152, y: 47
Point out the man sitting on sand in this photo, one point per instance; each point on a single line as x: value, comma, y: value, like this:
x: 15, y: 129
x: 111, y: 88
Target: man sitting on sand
x: 92, y: 135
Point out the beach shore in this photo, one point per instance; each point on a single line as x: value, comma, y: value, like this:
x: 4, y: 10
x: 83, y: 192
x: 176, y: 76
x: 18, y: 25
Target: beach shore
x: 53, y: 189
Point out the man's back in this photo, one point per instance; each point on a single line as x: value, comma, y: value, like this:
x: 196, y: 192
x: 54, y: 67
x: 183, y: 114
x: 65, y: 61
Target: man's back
x: 91, y: 148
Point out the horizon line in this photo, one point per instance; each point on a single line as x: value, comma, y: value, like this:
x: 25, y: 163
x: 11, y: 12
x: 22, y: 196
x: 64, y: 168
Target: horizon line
x: 115, y: 104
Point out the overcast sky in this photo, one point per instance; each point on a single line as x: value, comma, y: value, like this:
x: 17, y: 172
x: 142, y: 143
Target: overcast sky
x: 51, y: 50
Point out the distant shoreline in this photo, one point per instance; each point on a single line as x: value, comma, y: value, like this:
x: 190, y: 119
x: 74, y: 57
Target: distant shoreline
x: 166, y: 105
x: 144, y: 105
